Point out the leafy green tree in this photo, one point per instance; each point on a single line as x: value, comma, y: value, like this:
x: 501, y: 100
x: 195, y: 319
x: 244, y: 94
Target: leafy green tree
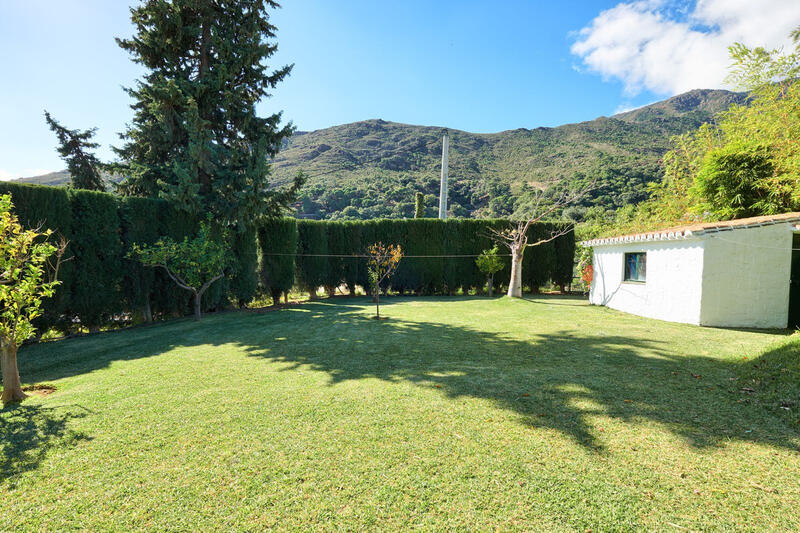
x: 489, y: 262
x: 734, y: 182
x: 24, y: 281
x: 74, y: 147
x: 195, y: 137
x: 747, y: 162
x: 193, y: 264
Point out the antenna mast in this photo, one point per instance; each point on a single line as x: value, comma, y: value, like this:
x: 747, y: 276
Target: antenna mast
x: 443, y: 186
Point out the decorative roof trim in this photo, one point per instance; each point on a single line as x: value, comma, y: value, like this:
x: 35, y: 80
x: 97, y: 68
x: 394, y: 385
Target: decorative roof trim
x: 696, y: 231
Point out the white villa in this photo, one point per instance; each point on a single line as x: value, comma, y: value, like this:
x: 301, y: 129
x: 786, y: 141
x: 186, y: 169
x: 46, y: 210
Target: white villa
x: 737, y: 273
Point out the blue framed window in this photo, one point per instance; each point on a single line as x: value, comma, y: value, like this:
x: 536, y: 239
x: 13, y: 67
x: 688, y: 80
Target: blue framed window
x: 636, y: 266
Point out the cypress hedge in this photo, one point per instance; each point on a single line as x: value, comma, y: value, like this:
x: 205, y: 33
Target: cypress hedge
x: 244, y: 282
x: 138, y: 224
x: 453, y: 243
x: 277, y: 241
x: 312, y: 247
x: 97, y: 257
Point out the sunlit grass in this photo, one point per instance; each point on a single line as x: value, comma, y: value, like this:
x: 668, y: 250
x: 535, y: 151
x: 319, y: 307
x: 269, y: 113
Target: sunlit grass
x: 456, y: 413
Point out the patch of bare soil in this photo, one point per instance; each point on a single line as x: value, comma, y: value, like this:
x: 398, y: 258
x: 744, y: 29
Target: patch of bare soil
x: 40, y: 389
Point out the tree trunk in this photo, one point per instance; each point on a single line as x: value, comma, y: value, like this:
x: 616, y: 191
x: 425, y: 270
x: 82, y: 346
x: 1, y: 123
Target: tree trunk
x: 276, y: 296
x: 12, y: 388
x: 515, y: 283
x: 378, y: 303
x: 147, y: 312
x: 312, y: 293
x: 490, y: 285
x: 286, y: 297
x: 197, y: 309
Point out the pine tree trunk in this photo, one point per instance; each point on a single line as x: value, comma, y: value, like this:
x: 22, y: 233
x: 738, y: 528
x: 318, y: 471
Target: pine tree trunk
x: 12, y: 388
x: 286, y: 297
x: 312, y: 293
x: 197, y: 312
x: 515, y: 284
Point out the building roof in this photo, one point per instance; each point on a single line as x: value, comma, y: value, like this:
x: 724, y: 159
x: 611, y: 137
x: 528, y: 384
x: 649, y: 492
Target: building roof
x: 696, y: 230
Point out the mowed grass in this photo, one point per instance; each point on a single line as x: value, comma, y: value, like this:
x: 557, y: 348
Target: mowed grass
x: 455, y: 413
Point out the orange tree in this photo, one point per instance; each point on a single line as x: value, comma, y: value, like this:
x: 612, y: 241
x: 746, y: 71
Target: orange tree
x: 24, y: 281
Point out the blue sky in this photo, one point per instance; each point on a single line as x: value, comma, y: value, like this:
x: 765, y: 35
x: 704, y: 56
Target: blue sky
x: 472, y: 65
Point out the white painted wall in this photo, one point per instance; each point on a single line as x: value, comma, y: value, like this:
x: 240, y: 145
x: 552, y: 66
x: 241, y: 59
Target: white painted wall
x: 674, y: 280
x: 746, y: 276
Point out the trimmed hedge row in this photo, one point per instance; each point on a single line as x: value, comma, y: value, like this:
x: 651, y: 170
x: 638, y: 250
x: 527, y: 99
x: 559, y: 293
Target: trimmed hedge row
x: 98, y: 282
x: 439, y: 255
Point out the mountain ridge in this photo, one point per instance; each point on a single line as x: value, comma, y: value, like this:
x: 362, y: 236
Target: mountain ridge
x: 373, y: 168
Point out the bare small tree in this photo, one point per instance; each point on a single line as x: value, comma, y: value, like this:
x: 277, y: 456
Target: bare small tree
x: 544, y: 205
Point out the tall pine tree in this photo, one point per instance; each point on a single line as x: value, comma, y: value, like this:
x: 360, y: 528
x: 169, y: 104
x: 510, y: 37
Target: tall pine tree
x: 74, y: 147
x: 195, y: 138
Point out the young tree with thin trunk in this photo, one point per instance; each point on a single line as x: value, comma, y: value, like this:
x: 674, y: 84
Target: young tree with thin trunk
x: 547, y: 202
x: 74, y: 147
x: 382, y: 263
x: 26, y: 276
x: 489, y: 262
x: 193, y: 264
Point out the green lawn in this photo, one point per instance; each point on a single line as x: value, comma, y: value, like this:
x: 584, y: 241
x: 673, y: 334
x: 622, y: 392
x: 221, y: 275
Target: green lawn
x: 456, y: 413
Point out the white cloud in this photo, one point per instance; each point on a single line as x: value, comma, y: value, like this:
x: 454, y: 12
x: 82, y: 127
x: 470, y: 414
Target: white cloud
x: 669, y: 47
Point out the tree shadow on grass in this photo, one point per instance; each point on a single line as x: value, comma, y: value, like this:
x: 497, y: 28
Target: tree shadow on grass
x: 28, y: 432
x: 558, y: 379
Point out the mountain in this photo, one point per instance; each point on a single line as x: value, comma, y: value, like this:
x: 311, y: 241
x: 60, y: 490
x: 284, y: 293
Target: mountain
x: 373, y: 168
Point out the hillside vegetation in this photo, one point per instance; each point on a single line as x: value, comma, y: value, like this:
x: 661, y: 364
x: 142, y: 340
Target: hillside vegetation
x: 373, y: 168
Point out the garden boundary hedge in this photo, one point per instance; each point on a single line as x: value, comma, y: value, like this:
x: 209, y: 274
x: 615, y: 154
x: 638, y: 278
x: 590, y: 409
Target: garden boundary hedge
x: 439, y: 255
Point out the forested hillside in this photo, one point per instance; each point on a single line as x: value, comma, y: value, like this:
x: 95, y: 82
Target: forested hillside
x: 373, y: 168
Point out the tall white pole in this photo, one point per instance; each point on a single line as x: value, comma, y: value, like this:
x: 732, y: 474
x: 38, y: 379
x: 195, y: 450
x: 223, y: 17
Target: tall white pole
x: 443, y: 186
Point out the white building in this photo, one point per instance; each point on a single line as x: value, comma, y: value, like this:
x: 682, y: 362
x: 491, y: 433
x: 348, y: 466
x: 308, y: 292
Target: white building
x: 738, y: 273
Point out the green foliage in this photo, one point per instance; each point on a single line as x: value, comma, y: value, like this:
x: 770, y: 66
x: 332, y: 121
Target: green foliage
x: 194, y: 264
x: 47, y: 208
x: 244, y: 276
x: 97, y: 255
x: 489, y: 262
x: 419, y: 205
x: 24, y: 256
x: 747, y: 162
x: 277, y: 241
x: 429, y: 246
x: 138, y: 224
x: 312, y: 247
x: 195, y: 138
x: 74, y: 148
x: 733, y: 182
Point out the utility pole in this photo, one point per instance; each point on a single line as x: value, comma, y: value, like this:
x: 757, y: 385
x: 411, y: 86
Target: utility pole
x: 443, y: 186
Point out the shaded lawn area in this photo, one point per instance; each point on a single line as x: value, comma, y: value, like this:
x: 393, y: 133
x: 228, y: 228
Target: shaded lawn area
x: 456, y: 413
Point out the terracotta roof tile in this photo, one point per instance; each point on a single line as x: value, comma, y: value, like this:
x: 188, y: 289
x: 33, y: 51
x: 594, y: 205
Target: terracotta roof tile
x: 688, y: 230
